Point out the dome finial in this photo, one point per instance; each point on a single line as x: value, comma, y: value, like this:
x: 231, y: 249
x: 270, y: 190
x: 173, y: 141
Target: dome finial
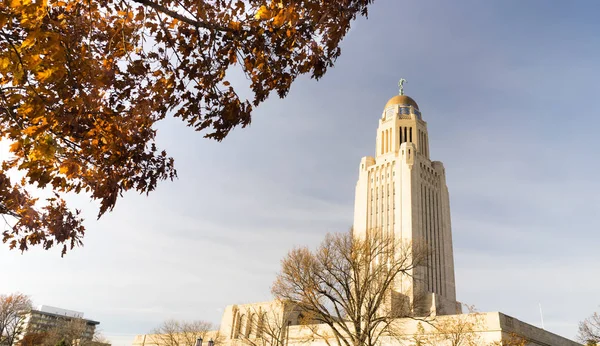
x: 401, y: 85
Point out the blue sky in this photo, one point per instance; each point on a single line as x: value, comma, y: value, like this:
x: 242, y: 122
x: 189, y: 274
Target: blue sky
x: 508, y: 89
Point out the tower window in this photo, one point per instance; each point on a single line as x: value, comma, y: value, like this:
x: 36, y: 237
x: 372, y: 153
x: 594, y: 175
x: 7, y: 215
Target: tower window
x: 410, y: 135
x: 387, y: 140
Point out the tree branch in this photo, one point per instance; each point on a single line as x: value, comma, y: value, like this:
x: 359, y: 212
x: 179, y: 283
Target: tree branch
x: 185, y: 19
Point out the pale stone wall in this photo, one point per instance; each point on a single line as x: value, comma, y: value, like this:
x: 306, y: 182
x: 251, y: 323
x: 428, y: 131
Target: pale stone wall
x: 155, y: 339
x: 485, y: 329
x: 402, y: 192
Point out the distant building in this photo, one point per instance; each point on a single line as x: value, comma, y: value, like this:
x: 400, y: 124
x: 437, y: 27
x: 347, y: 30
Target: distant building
x: 47, y: 318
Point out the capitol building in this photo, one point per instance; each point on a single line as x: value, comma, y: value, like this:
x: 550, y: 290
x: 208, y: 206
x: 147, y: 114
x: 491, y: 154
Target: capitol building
x: 401, y: 193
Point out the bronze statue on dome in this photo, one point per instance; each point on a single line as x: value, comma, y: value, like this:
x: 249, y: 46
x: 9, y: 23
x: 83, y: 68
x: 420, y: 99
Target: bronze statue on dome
x: 401, y: 85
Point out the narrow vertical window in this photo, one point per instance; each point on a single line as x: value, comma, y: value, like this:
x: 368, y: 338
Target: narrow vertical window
x: 384, y: 141
x: 405, y: 134
x: 410, y: 131
x: 389, y: 141
x: 400, y: 134
x: 387, y: 136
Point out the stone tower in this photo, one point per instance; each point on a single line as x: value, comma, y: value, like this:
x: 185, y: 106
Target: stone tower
x: 401, y: 192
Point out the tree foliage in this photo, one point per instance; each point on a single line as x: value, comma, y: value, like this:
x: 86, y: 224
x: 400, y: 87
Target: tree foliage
x: 348, y: 284
x: 12, y: 313
x: 83, y: 83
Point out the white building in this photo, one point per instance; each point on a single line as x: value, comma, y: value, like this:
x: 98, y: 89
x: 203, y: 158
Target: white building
x: 401, y: 193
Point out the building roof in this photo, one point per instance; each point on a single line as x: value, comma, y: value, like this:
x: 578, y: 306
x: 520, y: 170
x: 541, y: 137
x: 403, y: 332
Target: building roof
x: 401, y: 100
x: 33, y: 311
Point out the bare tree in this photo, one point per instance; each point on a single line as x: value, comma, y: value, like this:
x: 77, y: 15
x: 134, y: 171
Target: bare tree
x: 32, y: 339
x: 99, y: 337
x: 182, y: 333
x: 589, y: 330
x: 454, y: 330
x: 71, y: 332
x: 347, y: 285
x: 460, y: 330
x: 12, y: 314
x: 511, y: 339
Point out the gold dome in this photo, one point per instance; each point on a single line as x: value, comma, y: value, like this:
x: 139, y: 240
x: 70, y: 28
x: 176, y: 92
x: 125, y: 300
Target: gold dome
x: 401, y: 100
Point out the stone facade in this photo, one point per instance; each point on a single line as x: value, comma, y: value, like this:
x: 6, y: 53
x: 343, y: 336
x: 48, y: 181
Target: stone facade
x: 400, y: 193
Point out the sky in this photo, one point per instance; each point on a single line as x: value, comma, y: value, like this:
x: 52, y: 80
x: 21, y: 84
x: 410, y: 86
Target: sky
x: 508, y: 89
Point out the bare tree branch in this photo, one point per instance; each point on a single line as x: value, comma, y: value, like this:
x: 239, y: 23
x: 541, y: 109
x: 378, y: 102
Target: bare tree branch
x: 12, y: 314
x: 349, y: 284
x: 589, y: 330
x: 182, y: 333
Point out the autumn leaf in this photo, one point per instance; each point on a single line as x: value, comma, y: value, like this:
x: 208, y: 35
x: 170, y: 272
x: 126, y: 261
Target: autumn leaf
x: 42, y: 76
x: 83, y: 84
x: 263, y: 13
x: 4, y: 63
x: 28, y: 42
x: 279, y: 19
x: 235, y: 25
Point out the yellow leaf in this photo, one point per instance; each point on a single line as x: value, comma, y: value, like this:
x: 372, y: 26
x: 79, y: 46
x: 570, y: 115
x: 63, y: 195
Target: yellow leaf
x: 42, y: 76
x: 25, y: 109
x: 4, y: 63
x: 64, y: 169
x: 28, y: 42
x: 15, y: 147
x: 235, y: 25
x: 278, y: 20
x: 263, y: 13
x: 31, y: 130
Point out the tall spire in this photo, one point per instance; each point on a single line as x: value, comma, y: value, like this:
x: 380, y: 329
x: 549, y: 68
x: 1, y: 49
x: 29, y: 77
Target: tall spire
x: 401, y: 85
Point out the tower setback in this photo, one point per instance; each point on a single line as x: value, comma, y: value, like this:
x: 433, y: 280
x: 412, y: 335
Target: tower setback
x: 403, y: 195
